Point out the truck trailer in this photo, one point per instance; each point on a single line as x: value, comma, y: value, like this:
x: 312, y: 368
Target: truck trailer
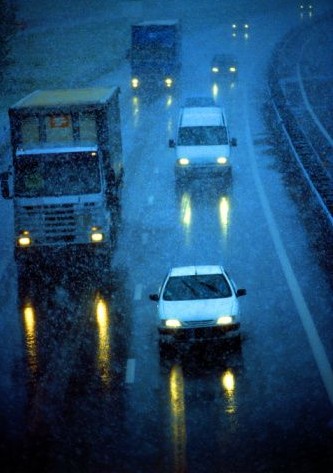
x: 67, y: 169
x: 155, y: 53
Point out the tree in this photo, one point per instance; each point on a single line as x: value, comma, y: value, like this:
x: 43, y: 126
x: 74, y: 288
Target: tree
x: 7, y: 29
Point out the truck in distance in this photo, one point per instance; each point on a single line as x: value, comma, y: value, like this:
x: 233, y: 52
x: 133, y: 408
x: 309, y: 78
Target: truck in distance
x: 67, y: 169
x: 155, y: 54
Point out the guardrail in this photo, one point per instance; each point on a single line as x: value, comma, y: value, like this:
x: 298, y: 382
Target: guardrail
x: 306, y: 156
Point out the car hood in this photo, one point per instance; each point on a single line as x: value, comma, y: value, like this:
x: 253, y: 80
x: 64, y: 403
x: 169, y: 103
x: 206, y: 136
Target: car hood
x: 204, y: 309
x: 193, y: 152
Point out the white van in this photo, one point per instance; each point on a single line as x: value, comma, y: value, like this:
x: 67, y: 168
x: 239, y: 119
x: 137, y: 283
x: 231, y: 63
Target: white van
x: 203, y: 143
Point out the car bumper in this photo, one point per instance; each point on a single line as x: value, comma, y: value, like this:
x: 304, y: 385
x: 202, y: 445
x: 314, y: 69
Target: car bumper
x: 198, y: 333
x: 202, y: 171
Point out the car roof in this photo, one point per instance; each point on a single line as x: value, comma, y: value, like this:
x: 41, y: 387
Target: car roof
x: 201, y: 116
x: 195, y: 270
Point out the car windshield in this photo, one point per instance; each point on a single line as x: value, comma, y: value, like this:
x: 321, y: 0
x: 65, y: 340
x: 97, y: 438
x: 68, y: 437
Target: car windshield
x: 202, y: 136
x: 57, y: 174
x: 204, y: 286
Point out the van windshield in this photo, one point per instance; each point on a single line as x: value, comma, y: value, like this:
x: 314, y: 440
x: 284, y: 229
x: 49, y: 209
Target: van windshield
x: 202, y: 136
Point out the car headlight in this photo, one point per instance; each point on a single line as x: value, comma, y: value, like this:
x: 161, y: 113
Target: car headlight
x: 135, y: 82
x: 222, y: 160
x: 215, y: 69
x: 168, y: 82
x: 183, y: 161
x: 225, y: 320
x: 96, y: 235
x: 232, y: 69
x: 24, y: 239
x: 172, y: 323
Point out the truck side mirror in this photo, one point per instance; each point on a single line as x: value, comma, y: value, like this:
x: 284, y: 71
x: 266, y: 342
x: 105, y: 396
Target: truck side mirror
x: 233, y: 142
x: 4, y: 177
x: 172, y: 143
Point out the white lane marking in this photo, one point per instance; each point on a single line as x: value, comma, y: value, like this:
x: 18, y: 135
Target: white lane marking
x: 315, y: 343
x: 138, y: 292
x: 151, y: 199
x: 130, y: 371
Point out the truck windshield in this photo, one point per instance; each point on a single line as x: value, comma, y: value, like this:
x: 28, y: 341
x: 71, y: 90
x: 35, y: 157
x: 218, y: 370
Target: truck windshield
x: 202, y: 136
x: 57, y: 174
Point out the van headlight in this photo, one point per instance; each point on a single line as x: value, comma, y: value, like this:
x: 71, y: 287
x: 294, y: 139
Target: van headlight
x: 24, y: 239
x: 183, y: 161
x: 135, y: 82
x: 225, y: 320
x: 168, y: 82
x: 172, y: 323
x: 96, y: 235
x: 222, y: 160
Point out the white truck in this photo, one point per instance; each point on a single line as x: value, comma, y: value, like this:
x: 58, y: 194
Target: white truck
x: 67, y: 169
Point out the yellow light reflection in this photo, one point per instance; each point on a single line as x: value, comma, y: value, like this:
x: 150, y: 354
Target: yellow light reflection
x: 215, y: 90
x: 177, y: 404
x: 135, y: 109
x: 224, y: 210
x: 29, y: 319
x: 169, y: 101
x: 229, y: 385
x: 186, y: 213
x: 103, y: 355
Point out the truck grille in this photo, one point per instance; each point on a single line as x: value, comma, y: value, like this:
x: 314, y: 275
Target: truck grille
x: 55, y: 224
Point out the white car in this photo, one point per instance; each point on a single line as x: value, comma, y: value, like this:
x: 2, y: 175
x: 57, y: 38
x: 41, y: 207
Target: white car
x: 197, y: 303
x: 202, y: 144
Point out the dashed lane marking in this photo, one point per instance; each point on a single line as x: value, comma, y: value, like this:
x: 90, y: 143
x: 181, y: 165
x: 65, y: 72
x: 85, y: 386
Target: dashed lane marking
x: 130, y: 371
x: 138, y: 292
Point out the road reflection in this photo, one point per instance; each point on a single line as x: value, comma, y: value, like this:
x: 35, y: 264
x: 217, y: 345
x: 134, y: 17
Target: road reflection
x: 211, y: 370
x: 195, y: 196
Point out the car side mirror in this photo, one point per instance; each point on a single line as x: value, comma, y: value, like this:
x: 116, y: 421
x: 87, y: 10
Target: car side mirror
x: 240, y: 292
x: 153, y: 297
x: 172, y: 143
x: 233, y: 142
x: 4, y: 177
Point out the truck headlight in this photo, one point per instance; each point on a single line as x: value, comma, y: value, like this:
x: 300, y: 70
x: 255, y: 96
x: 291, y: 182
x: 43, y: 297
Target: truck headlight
x: 24, y: 239
x: 168, y: 82
x: 96, y: 235
x: 183, y: 161
x: 225, y: 320
x: 222, y: 160
x: 135, y: 82
x: 172, y: 323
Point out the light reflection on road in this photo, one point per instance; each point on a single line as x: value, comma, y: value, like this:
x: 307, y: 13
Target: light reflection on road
x: 103, y: 351
x: 29, y: 324
x: 178, y: 424
x: 224, y: 217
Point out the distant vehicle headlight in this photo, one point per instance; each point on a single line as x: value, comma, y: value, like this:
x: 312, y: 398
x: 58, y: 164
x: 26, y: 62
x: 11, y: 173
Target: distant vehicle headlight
x: 225, y: 320
x: 135, y: 82
x: 232, y: 69
x: 96, y: 235
x: 184, y: 161
x: 172, y: 323
x: 215, y: 69
x: 24, y: 239
x: 222, y: 160
x: 168, y: 82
